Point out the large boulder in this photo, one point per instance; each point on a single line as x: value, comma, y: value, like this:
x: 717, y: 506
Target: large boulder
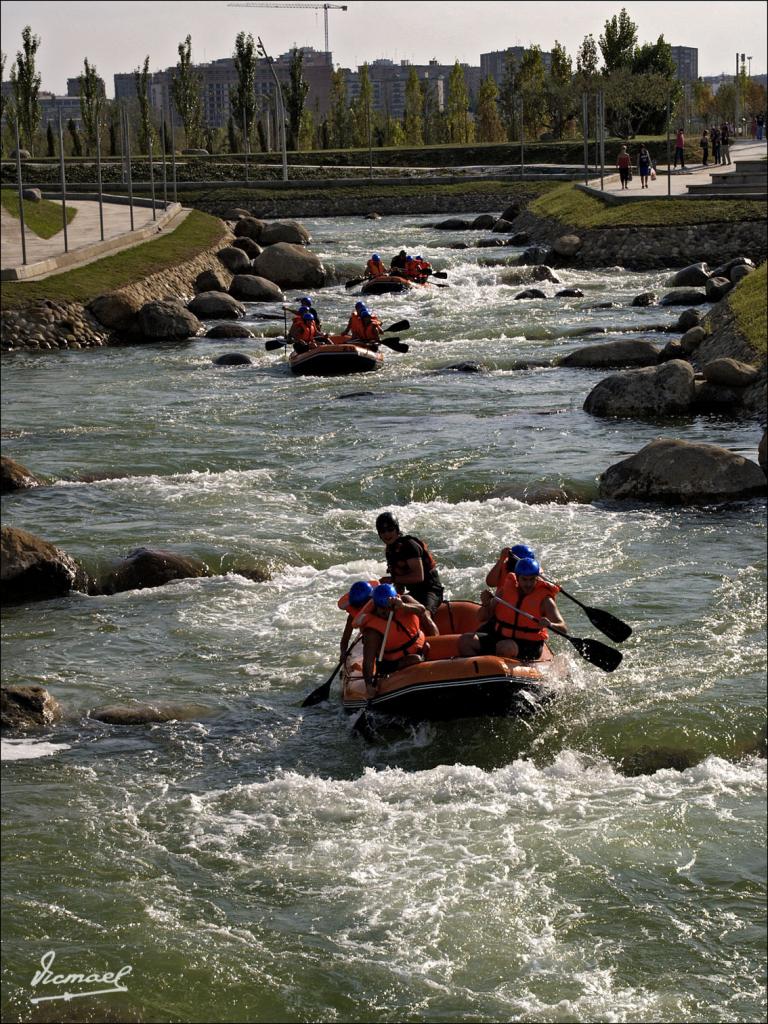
x: 15, y: 477
x: 249, y: 247
x: 235, y: 260
x: 34, y: 195
x: 502, y: 226
x: 513, y: 210
x: 31, y: 569
x: 655, y: 391
x: 453, y: 224
x: 689, y: 318
x: 250, y: 227
x: 531, y: 293
x: 716, y: 398
x: 254, y: 288
x: 145, y: 568
x: 167, y: 320
x: 216, y: 306
x: 116, y: 310
x: 684, y: 297
x: 27, y: 707
x: 236, y: 213
x: 632, y: 352
x: 739, y: 272
x: 145, y: 714
x: 692, y: 338
x: 645, y: 299
x: 534, y: 255
x: 290, y: 266
x: 285, y: 231
x: 567, y: 245
x: 525, y: 275
x: 209, y: 281
x: 730, y: 373
x: 233, y: 359
x: 717, y: 288
x: 674, y: 471
x: 738, y: 261
x: 229, y: 330
x: 483, y: 222
x: 694, y: 276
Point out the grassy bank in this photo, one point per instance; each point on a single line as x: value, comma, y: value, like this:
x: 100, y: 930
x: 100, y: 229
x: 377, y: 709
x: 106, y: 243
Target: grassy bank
x: 197, y: 232
x: 43, y: 217
x: 576, y: 209
x: 749, y: 307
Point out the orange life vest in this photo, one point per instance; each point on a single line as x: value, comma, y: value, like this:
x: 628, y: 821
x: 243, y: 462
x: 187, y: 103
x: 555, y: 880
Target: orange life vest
x: 375, y: 269
x: 355, y: 326
x: 515, y: 626
x: 405, y: 635
x: 370, y: 329
x: 301, y: 330
x: 345, y: 606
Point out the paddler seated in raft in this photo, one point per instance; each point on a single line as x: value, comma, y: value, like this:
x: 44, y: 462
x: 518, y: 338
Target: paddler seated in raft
x: 304, y: 334
x: 305, y: 306
x: 424, y: 267
x: 353, y: 602
x: 364, y: 326
x: 374, y: 268
x: 411, y: 272
x: 509, y: 634
x: 397, y: 266
x: 397, y: 619
x: 411, y: 567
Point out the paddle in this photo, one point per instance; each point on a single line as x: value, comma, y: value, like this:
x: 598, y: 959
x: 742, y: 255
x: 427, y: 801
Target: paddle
x: 355, y: 281
x: 322, y: 692
x: 401, y: 325
x: 395, y: 344
x: 360, y: 721
x: 600, y: 654
x: 614, y: 628
x: 275, y: 343
x: 437, y: 273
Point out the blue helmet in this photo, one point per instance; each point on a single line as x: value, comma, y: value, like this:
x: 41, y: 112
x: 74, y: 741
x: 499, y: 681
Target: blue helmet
x: 361, y: 307
x: 308, y: 318
x: 376, y: 257
x: 383, y: 594
x: 409, y: 259
x: 305, y: 301
x: 359, y: 593
x: 522, y: 551
x: 526, y: 567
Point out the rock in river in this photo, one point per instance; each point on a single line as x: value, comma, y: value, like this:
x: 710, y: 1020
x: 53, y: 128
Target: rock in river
x: 34, y: 570
x: 664, y: 390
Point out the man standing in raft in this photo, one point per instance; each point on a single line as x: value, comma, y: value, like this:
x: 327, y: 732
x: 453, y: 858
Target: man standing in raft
x: 512, y: 635
x: 393, y: 623
x: 411, y: 567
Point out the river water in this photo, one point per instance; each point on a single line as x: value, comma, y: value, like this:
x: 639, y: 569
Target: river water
x: 252, y: 861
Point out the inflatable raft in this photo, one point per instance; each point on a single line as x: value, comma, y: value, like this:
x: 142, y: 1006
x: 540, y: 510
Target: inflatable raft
x: 334, y: 360
x: 387, y: 283
x: 445, y: 686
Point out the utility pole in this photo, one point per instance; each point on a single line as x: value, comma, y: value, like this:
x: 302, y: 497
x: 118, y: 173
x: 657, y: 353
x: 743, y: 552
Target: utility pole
x: 280, y: 106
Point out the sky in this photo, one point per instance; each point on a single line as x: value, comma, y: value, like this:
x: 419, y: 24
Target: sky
x: 117, y: 36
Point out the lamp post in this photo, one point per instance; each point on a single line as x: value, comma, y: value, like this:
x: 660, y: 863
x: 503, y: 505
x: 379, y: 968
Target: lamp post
x: 280, y: 106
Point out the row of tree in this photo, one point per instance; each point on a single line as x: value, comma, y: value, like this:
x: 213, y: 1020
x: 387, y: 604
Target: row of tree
x: 638, y: 82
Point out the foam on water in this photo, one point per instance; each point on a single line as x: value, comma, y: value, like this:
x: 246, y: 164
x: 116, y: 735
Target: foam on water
x: 25, y: 750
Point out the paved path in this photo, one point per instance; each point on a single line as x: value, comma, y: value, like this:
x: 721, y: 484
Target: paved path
x: 83, y: 232
x: 679, y: 180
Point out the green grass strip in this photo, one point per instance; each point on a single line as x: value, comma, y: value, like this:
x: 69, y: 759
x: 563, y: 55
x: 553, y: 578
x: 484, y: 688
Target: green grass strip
x: 747, y: 300
x: 197, y: 232
x: 577, y: 209
x: 43, y: 218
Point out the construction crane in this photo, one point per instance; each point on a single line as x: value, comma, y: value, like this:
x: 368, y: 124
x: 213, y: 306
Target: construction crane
x: 317, y: 7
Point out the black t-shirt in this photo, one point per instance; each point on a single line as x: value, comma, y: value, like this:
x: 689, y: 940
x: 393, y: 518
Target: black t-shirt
x: 405, y: 548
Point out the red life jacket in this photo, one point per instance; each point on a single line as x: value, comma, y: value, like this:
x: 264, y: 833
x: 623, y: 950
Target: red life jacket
x: 345, y: 606
x: 355, y: 326
x: 375, y: 269
x: 302, y: 330
x: 515, y: 626
x: 370, y: 328
x: 405, y: 635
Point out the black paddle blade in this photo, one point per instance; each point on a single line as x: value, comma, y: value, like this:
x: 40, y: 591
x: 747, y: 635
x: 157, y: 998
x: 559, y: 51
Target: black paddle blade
x: 275, y: 343
x: 614, y: 628
x: 605, y: 657
x: 354, y: 282
x: 394, y: 343
x: 322, y: 692
x: 439, y: 273
x: 401, y: 325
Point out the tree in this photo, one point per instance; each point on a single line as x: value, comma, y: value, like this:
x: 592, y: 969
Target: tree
x: 586, y: 57
x: 559, y: 90
x: 489, y: 126
x: 618, y: 42
x: 339, y: 117
x: 414, y: 109
x: 703, y: 99
x: 146, y: 132
x: 77, y: 146
x: 185, y: 92
x: 113, y: 127
x: 460, y: 128
x: 261, y: 135
x: 306, y: 139
x: 297, y: 93
x: 50, y: 141
x: 91, y: 99
x: 25, y: 83
x: 232, y: 135
x: 435, y: 123
x: 362, y: 111
x: 508, y: 97
x: 531, y: 79
x: 242, y: 97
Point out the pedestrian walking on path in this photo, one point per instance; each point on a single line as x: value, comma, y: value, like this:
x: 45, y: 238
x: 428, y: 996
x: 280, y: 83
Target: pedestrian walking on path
x: 624, y: 163
x: 680, y: 148
x: 644, y: 165
x: 704, y: 144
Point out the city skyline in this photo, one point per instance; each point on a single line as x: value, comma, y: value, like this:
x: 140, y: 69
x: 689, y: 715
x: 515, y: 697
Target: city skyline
x: 462, y: 33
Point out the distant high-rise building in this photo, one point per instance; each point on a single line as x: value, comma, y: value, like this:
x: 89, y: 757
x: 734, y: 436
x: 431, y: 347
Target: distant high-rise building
x: 389, y: 81
x: 494, y: 65
x: 73, y: 86
x: 686, y: 60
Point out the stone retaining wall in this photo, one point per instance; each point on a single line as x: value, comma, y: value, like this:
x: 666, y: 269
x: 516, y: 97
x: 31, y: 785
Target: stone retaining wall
x: 293, y: 207
x: 69, y: 325
x: 651, y: 248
